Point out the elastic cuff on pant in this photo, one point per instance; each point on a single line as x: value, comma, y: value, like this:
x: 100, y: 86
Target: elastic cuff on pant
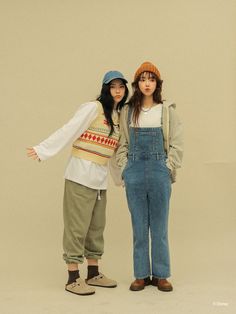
x: 73, y: 260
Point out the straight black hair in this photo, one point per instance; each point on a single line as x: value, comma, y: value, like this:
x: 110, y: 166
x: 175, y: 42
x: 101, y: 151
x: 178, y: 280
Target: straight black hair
x: 108, y: 103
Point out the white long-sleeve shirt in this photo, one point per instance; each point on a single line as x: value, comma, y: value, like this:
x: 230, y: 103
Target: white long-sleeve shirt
x: 79, y: 170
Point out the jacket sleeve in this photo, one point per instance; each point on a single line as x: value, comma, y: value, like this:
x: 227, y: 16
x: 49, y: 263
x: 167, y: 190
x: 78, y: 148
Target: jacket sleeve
x: 115, y: 171
x: 122, y: 150
x: 175, y: 154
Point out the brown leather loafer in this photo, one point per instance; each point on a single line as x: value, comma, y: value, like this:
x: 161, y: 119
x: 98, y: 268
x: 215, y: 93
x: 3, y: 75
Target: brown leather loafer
x: 162, y: 284
x: 139, y: 284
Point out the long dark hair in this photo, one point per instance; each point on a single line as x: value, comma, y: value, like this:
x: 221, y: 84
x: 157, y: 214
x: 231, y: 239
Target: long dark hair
x: 107, y: 102
x: 136, y: 99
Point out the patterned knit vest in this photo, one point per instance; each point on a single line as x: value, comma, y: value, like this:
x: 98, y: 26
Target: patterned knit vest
x: 94, y: 144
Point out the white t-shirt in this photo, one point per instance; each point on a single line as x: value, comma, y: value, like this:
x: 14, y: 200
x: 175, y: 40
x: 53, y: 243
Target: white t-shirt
x: 150, y: 118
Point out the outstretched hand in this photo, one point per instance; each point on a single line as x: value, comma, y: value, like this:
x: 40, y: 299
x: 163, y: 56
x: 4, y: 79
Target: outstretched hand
x: 32, y: 154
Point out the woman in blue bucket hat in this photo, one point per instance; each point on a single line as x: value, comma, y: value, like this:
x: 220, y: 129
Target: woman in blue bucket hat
x: 94, y: 134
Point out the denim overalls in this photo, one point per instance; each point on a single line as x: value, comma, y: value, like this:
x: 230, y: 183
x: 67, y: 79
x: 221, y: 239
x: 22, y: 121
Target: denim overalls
x: 148, y: 189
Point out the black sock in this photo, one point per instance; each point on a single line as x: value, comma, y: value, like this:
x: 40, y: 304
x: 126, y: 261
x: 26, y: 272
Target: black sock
x: 73, y: 275
x: 92, y: 271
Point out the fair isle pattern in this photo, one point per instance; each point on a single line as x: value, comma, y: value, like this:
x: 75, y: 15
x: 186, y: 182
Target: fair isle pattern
x: 95, y: 144
x: 98, y: 139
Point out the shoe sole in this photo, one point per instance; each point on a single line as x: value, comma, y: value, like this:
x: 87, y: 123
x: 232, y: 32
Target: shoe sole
x: 165, y: 290
x: 82, y: 294
x: 131, y: 289
x: 101, y: 286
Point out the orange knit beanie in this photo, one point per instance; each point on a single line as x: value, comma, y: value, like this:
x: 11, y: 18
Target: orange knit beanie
x: 147, y: 67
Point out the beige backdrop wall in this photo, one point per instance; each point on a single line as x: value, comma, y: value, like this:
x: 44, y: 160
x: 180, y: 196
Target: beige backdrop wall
x: 53, y: 57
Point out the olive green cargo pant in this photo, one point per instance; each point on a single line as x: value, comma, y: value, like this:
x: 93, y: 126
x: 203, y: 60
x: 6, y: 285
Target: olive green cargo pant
x: 84, y: 222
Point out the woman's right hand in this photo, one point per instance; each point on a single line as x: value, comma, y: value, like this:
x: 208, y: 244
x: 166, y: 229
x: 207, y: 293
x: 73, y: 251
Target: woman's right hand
x: 32, y: 154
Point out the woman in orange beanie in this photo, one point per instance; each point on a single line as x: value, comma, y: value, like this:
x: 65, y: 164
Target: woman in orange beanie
x: 150, y: 150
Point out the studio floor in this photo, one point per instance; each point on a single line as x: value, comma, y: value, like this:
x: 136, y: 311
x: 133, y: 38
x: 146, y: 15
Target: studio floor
x: 45, y: 297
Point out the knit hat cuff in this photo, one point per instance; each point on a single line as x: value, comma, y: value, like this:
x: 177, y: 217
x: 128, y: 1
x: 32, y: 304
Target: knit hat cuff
x: 147, y: 67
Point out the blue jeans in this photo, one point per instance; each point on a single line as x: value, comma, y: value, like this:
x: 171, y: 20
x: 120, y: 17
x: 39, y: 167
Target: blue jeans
x: 148, y: 189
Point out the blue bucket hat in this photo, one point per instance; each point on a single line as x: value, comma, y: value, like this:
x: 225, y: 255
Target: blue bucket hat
x: 112, y: 75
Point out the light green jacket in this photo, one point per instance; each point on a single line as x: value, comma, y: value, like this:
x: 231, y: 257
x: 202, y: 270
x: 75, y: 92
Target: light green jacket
x: 173, y: 138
